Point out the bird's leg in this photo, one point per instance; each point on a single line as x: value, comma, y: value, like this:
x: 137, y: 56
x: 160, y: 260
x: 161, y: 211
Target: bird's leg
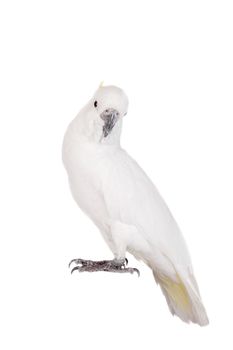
x: 115, y: 265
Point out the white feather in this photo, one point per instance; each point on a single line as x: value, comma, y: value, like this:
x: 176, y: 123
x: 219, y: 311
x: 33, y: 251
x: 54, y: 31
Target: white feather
x: 112, y: 189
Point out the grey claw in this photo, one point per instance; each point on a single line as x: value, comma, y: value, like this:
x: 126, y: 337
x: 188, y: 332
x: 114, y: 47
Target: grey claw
x: 73, y: 260
x: 76, y: 261
x: 75, y: 268
x: 126, y: 261
x: 136, y: 270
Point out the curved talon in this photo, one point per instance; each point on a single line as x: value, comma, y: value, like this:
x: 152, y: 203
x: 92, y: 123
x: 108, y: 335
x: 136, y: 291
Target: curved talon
x: 135, y: 270
x: 74, y: 269
x: 77, y: 261
x: 73, y: 260
x: 126, y: 261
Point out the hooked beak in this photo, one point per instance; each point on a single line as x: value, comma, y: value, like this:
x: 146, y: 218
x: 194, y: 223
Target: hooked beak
x: 110, y: 116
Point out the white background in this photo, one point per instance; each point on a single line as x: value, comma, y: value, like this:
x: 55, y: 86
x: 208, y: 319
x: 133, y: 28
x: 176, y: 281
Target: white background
x: 174, y: 60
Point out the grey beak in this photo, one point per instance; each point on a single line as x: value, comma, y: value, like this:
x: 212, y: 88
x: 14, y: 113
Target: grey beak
x: 110, y: 117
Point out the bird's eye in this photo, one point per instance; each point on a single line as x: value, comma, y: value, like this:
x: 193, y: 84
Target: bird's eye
x: 95, y: 104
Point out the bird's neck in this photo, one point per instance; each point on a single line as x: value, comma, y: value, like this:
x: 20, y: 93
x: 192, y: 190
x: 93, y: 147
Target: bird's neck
x: 76, y: 136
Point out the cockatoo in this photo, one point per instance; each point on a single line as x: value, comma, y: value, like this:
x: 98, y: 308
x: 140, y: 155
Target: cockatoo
x: 113, y: 190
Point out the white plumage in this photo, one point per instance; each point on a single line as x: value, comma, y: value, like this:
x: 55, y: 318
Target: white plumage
x: 112, y: 189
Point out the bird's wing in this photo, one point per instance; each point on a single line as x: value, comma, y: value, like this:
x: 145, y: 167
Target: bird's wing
x: 132, y: 198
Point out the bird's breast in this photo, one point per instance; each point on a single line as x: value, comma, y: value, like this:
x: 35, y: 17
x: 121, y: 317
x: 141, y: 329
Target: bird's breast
x: 86, y: 166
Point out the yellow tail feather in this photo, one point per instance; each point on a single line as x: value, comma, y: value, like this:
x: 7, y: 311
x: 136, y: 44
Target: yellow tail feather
x: 176, y: 292
x: 182, y: 301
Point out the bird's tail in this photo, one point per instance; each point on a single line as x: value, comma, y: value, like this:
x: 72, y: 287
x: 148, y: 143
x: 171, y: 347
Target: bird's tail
x: 183, y: 298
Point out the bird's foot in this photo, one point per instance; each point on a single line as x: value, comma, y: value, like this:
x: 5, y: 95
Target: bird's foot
x: 115, y: 265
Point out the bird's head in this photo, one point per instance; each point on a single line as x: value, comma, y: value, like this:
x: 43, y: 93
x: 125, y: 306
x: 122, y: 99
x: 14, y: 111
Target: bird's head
x: 100, y: 120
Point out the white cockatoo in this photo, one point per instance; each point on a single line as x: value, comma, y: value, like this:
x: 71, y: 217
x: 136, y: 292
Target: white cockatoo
x: 112, y: 189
